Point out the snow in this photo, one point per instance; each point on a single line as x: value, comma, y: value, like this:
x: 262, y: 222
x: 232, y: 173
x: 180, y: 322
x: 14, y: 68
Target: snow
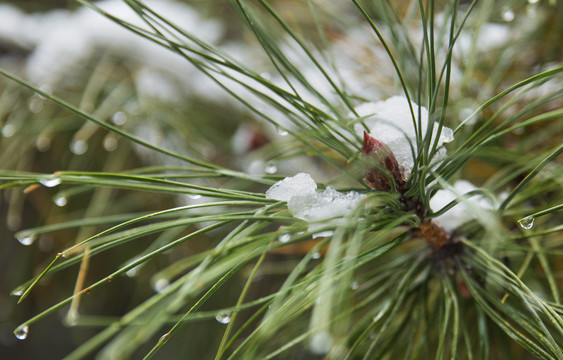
x: 390, y: 121
x: 462, y: 212
x: 312, y: 206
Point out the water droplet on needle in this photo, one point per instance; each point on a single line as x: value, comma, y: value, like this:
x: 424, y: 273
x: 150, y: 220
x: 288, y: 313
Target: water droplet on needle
x: 527, y: 222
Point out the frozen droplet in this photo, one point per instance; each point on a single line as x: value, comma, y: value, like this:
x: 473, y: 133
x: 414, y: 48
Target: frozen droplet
x: 78, y: 147
x: 160, y: 284
x: 110, y: 142
x: 26, y: 238
x: 508, y: 15
x: 527, y: 222
x: 283, y: 238
x: 316, y: 255
x: 8, y: 130
x: 195, y: 196
x: 223, y: 318
x: 321, y: 343
x: 282, y: 132
x: 22, y: 332
x: 18, y: 291
x: 35, y: 105
x: 60, y: 200
x: 50, y: 181
x: 119, y: 118
x: 270, y: 168
x: 355, y: 285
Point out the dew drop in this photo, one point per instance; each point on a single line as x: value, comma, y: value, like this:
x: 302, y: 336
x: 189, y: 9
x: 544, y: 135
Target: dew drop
x: 160, y: 284
x: 119, y: 118
x: 508, y: 15
x: 60, y: 200
x: 316, y: 255
x: 283, y: 238
x: 527, y: 222
x: 282, y: 132
x: 270, y: 168
x: 25, y: 238
x: 195, y: 196
x: 22, y: 332
x: 532, y: 1
x: 223, y: 318
x: 78, y: 147
x: 50, y: 181
x: 354, y: 285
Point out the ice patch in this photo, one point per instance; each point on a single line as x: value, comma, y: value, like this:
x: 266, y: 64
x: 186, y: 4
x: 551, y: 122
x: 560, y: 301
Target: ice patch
x: 314, y: 207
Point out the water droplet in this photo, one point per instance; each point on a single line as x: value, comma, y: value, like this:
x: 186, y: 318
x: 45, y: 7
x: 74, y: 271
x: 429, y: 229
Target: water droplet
x: 316, y: 255
x: 283, y: 238
x: 36, y: 105
x: 133, y: 271
x: 60, y: 200
x: 532, y: 1
x: 282, y: 132
x: 270, y: 168
x: 50, y: 181
x: 355, y: 285
x: 61, y: 254
x: 164, y: 338
x: 25, y: 238
x: 160, y: 284
x: 223, y: 318
x: 46, y: 88
x: 110, y: 142
x: 78, y: 147
x: 119, y: 118
x: 8, y: 130
x: 527, y: 222
x: 195, y: 196
x: 18, y: 291
x: 71, y: 319
x: 508, y: 15
x: 22, y: 332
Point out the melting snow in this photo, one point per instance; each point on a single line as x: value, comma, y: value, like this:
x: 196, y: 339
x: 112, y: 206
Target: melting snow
x: 462, y: 212
x: 303, y: 200
x: 390, y: 121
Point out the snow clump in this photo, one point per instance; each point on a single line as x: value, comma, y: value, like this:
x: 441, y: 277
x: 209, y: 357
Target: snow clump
x: 306, y: 203
x: 390, y: 121
x: 463, y: 212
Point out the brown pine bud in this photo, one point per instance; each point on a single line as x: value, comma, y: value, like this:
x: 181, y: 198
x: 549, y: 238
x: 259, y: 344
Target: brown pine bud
x: 375, y: 178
